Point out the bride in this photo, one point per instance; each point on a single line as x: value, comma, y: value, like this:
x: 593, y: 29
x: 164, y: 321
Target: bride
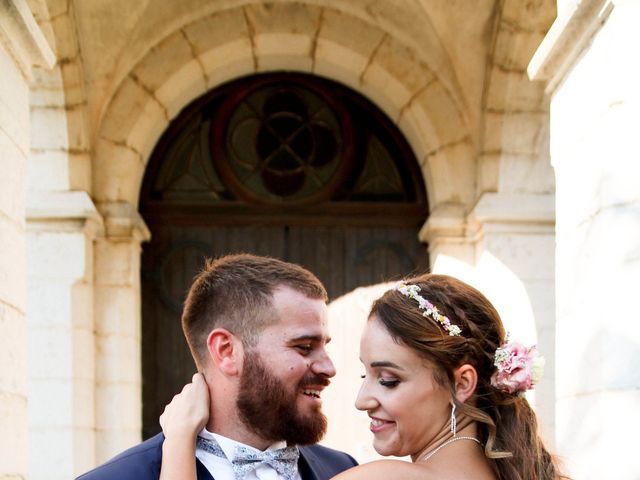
x: 442, y: 385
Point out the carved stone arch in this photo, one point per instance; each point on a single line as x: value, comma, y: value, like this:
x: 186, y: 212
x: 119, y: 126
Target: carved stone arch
x: 194, y: 59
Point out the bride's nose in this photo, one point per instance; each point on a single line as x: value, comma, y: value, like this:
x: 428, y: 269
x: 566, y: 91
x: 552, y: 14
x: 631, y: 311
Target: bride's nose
x: 365, y: 400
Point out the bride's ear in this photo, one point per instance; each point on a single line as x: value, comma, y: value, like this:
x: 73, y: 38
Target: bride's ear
x: 466, y: 379
x: 225, y: 351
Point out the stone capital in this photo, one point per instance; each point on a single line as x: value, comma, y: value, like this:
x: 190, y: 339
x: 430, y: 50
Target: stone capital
x: 63, y: 211
x: 122, y: 222
x: 512, y: 213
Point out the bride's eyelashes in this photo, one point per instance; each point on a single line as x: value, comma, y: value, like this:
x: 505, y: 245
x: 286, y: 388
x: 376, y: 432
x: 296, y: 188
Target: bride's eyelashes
x: 388, y: 383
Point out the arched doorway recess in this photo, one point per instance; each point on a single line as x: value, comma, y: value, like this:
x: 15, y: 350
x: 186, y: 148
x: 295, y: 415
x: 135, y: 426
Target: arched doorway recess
x: 283, y: 164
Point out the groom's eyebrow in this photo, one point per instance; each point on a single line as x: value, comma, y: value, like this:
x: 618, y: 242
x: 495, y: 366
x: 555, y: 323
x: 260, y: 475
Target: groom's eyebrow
x: 383, y: 364
x: 311, y: 338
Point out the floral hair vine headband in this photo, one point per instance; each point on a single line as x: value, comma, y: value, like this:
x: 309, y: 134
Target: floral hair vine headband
x: 430, y: 311
x: 519, y: 368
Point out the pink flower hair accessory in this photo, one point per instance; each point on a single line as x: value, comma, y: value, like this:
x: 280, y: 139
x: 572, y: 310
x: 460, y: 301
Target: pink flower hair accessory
x: 518, y: 368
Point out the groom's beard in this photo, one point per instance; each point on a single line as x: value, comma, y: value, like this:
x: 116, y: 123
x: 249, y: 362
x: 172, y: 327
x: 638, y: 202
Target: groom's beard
x: 270, y: 410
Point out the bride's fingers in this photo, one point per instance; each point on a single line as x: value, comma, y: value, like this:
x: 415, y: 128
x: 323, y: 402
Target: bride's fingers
x: 188, y: 411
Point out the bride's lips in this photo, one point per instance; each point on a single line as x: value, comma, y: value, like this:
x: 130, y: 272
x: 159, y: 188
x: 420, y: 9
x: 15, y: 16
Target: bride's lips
x: 378, y: 424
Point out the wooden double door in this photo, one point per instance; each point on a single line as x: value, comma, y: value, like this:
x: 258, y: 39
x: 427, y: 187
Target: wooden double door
x: 285, y: 165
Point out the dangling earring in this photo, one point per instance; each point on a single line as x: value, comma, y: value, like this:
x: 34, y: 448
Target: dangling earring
x: 454, y: 423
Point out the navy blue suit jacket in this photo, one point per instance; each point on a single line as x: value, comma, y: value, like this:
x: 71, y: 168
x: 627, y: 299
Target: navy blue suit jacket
x: 142, y: 462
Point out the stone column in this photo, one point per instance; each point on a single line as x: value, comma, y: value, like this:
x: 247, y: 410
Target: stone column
x: 590, y: 63
x: 61, y: 230
x: 118, y: 323
x: 514, y: 236
x: 22, y: 45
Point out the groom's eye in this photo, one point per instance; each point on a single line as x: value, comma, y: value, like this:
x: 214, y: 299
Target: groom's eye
x: 305, y: 348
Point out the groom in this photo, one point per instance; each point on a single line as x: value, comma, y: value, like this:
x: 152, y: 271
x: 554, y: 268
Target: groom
x: 257, y: 330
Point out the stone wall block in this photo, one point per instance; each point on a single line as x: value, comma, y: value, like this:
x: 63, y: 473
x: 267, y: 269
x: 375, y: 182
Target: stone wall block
x: 525, y: 174
x: 113, y: 306
x: 57, y: 254
x: 163, y: 60
x: 12, y: 260
x: 416, y: 126
x: 74, y: 85
x: 83, y: 358
x: 514, y: 49
x: 13, y: 168
x: 227, y: 62
x: 114, y: 168
x: 50, y: 129
x: 592, y: 423
x: 66, y: 37
x: 14, y: 93
x: 77, y: 129
x: 15, y: 130
x: 83, y: 450
x: 149, y: 126
x: 538, y: 15
x: 80, y: 171
x: 115, y: 265
x: 353, y: 34
x: 450, y: 175
x: 82, y: 302
x: 343, y: 48
x: 83, y: 405
x: 294, y: 18
x: 126, y: 107
x: 43, y: 97
x: 54, y: 345
x: 55, y: 406
x: 446, y: 119
x: 57, y: 440
x: 120, y: 359
x: 339, y: 63
x: 13, y: 361
x: 489, y: 172
x: 117, y: 417
x: 513, y: 132
x: 403, y: 65
x: 182, y: 86
x: 283, y: 51
x: 13, y: 434
x: 216, y: 30
x: 512, y: 90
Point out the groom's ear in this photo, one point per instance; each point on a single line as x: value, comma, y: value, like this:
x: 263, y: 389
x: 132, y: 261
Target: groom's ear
x: 466, y: 380
x: 225, y: 351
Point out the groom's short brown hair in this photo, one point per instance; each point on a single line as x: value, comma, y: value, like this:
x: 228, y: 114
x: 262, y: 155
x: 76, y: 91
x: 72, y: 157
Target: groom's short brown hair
x: 235, y: 292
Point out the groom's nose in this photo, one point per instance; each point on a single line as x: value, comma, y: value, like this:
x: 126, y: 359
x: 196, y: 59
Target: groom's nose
x: 322, y: 365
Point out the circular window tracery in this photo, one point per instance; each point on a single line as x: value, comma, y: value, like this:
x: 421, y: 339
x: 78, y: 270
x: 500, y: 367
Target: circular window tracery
x: 283, y: 142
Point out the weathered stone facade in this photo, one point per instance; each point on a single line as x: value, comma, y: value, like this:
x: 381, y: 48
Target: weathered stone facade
x: 88, y: 88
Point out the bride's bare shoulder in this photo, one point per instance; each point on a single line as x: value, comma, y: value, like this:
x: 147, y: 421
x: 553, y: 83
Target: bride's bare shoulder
x: 383, y: 470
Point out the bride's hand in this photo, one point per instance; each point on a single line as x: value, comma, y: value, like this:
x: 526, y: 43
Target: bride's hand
x: 188, y: 412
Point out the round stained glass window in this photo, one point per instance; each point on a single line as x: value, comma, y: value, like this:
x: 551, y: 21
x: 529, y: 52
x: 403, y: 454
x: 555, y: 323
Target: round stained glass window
x: 282, y: 141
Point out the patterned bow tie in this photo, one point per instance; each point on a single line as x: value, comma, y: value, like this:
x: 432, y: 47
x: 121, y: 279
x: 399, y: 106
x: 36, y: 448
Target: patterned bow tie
x: 284, y: 460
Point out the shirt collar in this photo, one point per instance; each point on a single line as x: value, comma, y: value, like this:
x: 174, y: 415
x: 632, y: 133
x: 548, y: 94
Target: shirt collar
x: 228, y: 445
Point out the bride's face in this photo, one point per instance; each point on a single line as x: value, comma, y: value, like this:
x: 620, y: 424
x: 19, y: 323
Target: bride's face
x: 407, y: 407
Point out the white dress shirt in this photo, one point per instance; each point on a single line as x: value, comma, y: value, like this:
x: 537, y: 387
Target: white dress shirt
x: 221, y: 469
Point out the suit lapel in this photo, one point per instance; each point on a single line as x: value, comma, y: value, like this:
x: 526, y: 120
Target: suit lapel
x: 201, y: 471
x: 311, y: 467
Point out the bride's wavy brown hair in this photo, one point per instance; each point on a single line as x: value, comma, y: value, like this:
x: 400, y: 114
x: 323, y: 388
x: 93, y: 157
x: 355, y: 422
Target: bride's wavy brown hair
x: 507, y: 425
